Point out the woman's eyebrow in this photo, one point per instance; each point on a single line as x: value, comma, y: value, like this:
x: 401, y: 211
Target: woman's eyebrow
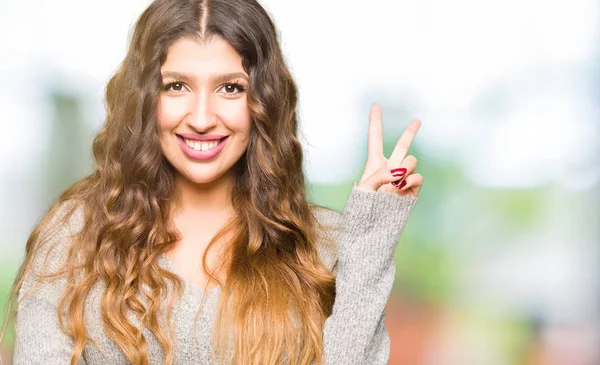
x: 228, y: 76
x: 217, y: 78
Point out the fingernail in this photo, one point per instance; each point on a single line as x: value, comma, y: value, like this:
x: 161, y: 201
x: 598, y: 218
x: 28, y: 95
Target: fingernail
x: 398, y: 172
x: 403, y: 184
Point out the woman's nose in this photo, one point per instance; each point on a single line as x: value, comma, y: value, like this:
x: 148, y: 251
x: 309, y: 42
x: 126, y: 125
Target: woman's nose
x: 203, y: 115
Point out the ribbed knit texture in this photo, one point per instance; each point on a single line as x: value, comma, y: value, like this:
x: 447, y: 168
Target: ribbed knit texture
x: 362, y: 261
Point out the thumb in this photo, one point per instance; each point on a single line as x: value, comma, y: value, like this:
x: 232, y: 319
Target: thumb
x: 381, y: 177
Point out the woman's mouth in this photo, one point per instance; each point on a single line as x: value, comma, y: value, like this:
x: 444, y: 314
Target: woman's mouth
x: 201, y: 150
x: 202, y: 145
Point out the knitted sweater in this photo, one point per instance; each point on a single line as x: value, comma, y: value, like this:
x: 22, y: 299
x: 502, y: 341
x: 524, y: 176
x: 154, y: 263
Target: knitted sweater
x: 362, y: 261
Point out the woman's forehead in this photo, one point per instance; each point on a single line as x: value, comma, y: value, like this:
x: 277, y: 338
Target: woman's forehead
x: 197, y: 59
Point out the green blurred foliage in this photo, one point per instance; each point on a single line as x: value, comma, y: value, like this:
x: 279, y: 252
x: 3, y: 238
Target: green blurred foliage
x: 69, y: 157
x: 8, y: 269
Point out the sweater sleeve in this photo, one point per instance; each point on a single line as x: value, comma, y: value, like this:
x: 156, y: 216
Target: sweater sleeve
x: 39, y: 338
x: 372, y: 223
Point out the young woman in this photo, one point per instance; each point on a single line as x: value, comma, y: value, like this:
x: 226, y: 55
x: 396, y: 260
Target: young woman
x: 192, y: 242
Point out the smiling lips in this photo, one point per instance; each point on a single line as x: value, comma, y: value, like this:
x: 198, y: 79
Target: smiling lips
x: 201, y: 147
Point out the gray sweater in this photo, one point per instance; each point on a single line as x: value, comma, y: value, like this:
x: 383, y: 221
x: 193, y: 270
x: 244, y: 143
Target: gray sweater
x: 363, y: 263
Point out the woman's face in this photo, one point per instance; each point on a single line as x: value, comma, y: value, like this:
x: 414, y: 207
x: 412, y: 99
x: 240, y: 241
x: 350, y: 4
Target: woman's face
x: 203, y: 115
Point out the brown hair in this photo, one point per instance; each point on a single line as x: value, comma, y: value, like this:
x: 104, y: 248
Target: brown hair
x: 278, y: 293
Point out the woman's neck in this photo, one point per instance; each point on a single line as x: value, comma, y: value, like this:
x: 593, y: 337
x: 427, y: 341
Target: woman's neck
x: 204, y: 199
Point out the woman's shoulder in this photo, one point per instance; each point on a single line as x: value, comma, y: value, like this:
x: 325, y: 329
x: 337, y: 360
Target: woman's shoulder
x: 55, y: 237
x: 48, y: 248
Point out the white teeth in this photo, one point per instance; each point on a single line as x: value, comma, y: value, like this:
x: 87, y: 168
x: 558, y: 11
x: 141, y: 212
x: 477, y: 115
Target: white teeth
x: 201, y: 146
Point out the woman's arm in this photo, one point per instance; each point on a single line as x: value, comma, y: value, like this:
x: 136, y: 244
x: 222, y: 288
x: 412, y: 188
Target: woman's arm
x: 372, y: 223
x: 39, y: 338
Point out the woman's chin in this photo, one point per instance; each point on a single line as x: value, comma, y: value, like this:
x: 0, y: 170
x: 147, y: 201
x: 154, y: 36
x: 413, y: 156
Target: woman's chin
x: 202, y: 178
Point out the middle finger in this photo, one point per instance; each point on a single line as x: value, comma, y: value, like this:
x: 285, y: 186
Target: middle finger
x: 404, y: 143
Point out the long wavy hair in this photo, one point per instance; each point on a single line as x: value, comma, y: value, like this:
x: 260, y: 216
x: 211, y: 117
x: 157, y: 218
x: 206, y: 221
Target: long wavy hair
x: 278, y: 292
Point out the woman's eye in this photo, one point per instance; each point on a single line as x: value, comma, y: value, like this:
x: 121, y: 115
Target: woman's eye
x: 231, y: 88
x: 175, y: 86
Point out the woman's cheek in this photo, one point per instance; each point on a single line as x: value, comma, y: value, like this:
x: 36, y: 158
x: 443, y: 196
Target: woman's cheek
x: 239, y: 114
x: 170, y: 112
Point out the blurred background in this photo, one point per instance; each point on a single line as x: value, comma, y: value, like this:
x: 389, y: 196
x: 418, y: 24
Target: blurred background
x: 498, y: 265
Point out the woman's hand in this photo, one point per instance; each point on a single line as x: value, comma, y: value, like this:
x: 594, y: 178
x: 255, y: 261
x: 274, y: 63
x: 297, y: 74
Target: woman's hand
x: 386, y: 175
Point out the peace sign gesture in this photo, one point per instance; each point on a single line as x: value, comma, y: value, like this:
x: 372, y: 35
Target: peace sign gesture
x: 396, y: 174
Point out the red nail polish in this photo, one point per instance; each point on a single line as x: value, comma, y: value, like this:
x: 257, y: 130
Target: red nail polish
x: 398, y: 172
x: 403, y: 184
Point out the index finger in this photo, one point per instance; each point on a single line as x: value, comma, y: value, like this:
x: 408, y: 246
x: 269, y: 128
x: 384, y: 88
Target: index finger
x: 375, y: 142
x: 404, y: 143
